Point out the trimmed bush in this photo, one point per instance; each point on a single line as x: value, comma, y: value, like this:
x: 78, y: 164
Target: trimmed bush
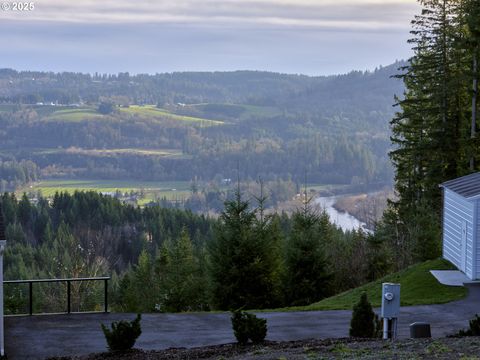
x: 474, y: 329
x: 257, y: 328
x: 240, y: 326
x: 475, y: 325
x: 248, y: 326
x: 364, y: 323
x: 123, y: 334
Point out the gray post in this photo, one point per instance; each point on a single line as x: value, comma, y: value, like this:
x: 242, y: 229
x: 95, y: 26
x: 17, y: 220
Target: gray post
x: 3, y: 243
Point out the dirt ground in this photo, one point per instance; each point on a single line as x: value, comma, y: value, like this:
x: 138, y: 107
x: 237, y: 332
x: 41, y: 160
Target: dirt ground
x: 465, y: 348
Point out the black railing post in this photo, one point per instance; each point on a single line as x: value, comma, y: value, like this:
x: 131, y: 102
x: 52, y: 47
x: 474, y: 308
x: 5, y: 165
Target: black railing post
x: 30, y: 298
x: 68, y: 297
x: 106, y: 295
x: 69, y: 290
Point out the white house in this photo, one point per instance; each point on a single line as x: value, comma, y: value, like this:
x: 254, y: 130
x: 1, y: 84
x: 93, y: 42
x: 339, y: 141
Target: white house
x: 461, y: 224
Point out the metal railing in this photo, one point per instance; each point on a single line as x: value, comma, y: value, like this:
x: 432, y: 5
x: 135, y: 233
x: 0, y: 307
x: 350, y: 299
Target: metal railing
x: 68, y: 282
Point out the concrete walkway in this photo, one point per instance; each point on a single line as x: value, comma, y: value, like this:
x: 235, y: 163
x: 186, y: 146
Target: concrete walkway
x: 39, y: 337
x: 450, y: 277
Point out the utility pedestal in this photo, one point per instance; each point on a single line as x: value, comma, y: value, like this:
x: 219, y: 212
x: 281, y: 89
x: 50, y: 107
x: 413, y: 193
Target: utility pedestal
x: 390, y: 309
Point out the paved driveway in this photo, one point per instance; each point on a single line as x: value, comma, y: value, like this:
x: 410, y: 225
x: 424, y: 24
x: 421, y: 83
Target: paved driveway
x: 39, y: 337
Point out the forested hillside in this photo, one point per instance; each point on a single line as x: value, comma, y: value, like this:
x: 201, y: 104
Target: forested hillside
x: 185, y: 126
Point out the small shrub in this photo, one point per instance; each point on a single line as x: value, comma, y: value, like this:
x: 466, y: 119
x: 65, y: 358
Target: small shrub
x: 378, y: 333
x: 475, y: 325
x: 123, y: 334
x: 240, y: 326
x: 257, y: 328
x: 364, y: 323
x: 247, y: 326
x: 474, y: 329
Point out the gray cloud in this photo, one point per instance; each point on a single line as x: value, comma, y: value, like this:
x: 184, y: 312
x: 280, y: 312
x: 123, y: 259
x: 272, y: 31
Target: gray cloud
x: 303, y: 36
x: 342, y: 13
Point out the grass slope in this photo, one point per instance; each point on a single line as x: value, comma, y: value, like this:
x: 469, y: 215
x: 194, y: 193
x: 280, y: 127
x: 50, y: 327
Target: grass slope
x: 74, y: 115
x: 78, y: 114
x: 154, y: 112
x: 418, y: 287
x: 114, y: 152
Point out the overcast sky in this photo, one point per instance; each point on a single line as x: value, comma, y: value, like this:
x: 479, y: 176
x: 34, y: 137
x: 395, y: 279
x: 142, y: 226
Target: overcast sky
x: 314, y: 37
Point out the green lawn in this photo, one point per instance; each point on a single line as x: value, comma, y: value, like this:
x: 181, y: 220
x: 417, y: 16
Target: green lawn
x: 153, y: 111
x: 418, y: 287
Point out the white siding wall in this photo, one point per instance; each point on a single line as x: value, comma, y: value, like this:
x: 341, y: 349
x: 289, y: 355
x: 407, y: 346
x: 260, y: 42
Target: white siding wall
x: 477, y: 237
x: 456, y: 211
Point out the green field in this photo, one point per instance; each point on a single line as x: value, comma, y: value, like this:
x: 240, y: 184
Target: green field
x: 7, y: 107
x: 260, y: 111
x: 113, y: 152
x: 74, y: 114
x: 154, y: 112
x: 152, y: 189
x: 418, y: 287
x: 244, y: 111
x: 326, y: 188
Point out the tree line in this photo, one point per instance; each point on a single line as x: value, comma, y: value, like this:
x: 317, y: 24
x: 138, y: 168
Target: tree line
x: 164, y: 259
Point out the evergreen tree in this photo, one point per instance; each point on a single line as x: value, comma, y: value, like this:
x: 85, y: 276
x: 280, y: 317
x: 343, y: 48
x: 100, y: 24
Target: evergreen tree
x: 471, y: 11
x: 426, y: 131
x: 363, y: 323
x: 139, y: 286
x: 432, y: 132
x: 240, y: 268
x: 182, y: 285
x: 307, y: 276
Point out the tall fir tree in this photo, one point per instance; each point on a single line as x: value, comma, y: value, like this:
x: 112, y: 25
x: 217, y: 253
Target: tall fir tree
x: 182, y: 284
x: 307, y: 276
x: 431, y: 132
x: 240, y: 265
x: 471, y: 11
x: 426, y: 132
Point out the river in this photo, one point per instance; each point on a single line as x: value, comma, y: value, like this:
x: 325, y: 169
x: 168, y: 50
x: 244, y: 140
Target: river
x: 342, y: 219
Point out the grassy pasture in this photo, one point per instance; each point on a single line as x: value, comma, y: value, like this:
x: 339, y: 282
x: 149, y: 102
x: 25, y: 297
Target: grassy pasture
x: 244, y: 112
x: 77, y: 114
x: 151, y: 189
x: 114, y: 152
x: 260, y: 111
x: 74, y: 114
x: 8, y: 108
x: 154, y: 112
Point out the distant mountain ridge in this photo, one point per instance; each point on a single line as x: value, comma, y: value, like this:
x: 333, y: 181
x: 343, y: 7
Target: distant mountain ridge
x: 244, y: 87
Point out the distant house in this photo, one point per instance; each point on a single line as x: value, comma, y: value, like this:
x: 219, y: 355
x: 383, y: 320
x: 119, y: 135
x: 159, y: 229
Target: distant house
x: 461, y: 224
